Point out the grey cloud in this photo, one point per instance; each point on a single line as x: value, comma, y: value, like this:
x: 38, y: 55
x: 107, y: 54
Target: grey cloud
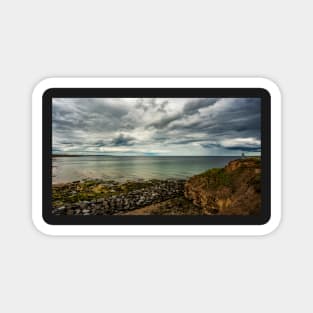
x: 164, y: 121
x: 122, y: 140
x: 140, y: 105
x: 241, y: 118
x: 193, y: 106
x: 87, y: 115
x: 162, y: 106
x: 101, y: 143
x: 246, y: 147
x: 190, y: 108
x: 119, y: 140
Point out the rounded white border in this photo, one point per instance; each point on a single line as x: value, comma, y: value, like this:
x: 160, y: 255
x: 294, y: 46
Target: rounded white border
x: 156, y: 230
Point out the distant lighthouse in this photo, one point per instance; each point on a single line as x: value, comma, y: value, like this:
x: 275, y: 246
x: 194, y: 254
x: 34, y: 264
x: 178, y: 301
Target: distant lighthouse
x: 243, y: 155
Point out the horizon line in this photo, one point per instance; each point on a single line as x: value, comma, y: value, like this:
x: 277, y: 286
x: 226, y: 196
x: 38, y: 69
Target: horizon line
x: 112, y: 155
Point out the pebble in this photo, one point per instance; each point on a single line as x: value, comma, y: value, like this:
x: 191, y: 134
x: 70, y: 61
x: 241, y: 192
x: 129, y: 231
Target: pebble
x: 157, y: 192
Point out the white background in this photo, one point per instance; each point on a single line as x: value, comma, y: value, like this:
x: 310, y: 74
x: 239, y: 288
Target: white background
x: 163, y: 38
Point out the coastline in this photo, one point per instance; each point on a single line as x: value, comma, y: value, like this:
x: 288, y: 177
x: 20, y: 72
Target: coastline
x: 231, y: 190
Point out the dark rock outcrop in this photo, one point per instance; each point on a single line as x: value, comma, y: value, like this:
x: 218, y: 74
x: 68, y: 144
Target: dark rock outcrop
x: 232, y: 190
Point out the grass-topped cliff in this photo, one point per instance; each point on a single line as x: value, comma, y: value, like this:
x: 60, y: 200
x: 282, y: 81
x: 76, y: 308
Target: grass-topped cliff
x: 232, y: 190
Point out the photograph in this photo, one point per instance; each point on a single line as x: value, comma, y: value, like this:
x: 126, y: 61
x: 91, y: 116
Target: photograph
x: 156, y: 156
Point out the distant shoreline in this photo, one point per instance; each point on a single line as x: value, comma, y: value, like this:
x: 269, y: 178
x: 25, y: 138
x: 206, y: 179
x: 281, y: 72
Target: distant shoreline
x: 149, y: 156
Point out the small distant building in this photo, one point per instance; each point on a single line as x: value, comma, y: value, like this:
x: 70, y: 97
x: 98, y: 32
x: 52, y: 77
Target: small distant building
x: 243, y: 155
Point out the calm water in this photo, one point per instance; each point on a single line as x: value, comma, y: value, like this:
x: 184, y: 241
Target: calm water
x: 67, y: 169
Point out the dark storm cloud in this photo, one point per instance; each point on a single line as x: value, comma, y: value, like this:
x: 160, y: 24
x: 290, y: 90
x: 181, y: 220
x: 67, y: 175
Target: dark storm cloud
x: 122, y: 140
x: 100, y: 143
x: 190, y: 108
x: 119, y: 140
x: 163, y: 122
x: 193, y: 106
x: 87, y: 115
x: 248, y: 147
x: 240, y: 118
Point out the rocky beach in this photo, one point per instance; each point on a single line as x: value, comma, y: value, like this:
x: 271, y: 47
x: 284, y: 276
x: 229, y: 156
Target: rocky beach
x: 232, y: 190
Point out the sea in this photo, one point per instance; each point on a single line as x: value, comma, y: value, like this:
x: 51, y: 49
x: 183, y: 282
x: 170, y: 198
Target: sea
x: 124, y: 168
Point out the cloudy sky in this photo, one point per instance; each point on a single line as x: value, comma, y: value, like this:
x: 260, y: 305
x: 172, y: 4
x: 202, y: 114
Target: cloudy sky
x: 156, y: 126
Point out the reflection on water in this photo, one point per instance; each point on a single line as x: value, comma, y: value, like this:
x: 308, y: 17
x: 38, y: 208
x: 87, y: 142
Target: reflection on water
x: 67, y: 169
